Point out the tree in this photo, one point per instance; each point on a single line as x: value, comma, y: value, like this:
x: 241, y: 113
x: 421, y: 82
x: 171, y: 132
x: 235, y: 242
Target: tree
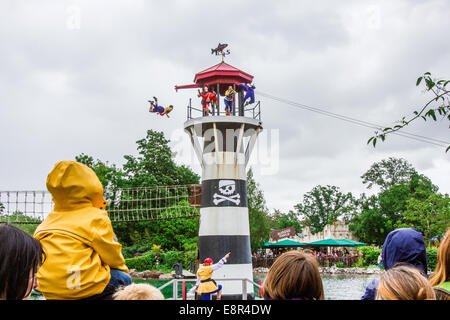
x: 324, y: 205
x: 154, y: 166
x: 368, y: 224
x: 431, y: 216
x: 282, y: 220
x: 381, y: 214
x: 109, y: 175
x: 259, y: 219
x: 388, y: 172
x: 438, y: 106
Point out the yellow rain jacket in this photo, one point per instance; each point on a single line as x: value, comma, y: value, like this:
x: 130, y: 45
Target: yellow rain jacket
x: 77, y: 236
x: 204, y: 282
x: 204, y: 273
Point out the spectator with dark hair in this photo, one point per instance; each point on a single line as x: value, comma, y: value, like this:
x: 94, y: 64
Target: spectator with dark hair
x: 20, y: 258
x: 404, y: 246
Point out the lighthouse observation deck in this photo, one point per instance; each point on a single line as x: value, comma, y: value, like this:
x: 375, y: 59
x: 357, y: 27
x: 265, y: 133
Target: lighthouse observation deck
x: 222, y: 133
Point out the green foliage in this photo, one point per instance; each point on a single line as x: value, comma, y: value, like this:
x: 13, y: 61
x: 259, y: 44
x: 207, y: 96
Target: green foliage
x: 259, y: 219
x: 370, y: 255
x: 167, y: 259
x: 387, y: 173
x: 282, y: 220
x: 436, y: 109
x: 432, y: 258
x: 21, y: 221
x: 170, y: 258
x: 323, y: 205
x: 134, y: 250
x: 153, y: 166
x: 142, y: 263
x: 407, y: 199
x: 430, y: 216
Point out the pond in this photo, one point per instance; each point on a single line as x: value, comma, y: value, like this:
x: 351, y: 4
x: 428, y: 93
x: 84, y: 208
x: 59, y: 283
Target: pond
x: 336, y: 287
x: 341, y: 287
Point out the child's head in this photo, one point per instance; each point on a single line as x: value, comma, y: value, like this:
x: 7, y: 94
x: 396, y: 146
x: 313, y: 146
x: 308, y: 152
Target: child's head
x: 20, y: 257
x: 138, y: 291
x: 404, y: 283
x: 230, y: 88
x: 170, y: 108
x: 207, y: 262
x: 294, y: 275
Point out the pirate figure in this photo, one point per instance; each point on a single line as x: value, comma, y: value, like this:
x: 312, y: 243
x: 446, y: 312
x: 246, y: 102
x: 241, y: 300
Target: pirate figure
x: 207, y: 98
x: 205, y: 284
x: 154, y: 107
x: 249, y: 93
x: 229, y: 98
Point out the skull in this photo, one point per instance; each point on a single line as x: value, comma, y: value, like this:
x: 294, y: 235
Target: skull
x: 227, y: 187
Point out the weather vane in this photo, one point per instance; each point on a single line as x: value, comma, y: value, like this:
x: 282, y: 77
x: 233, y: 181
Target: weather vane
x: 220, y: 50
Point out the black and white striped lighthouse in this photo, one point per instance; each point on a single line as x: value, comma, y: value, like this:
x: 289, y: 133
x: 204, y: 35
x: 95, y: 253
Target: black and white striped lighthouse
x: 223, y: 144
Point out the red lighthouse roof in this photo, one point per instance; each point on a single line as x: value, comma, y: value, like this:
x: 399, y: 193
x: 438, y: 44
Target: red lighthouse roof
x: 221, y: 73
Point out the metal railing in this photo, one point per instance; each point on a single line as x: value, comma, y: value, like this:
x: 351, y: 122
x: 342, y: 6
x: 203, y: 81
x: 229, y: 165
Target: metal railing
x: 175, y: 282
x: 251, y: 111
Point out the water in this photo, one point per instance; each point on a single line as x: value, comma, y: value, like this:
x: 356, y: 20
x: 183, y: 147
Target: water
x: 345, y: 287
x: 335, y: 287
x: 341, y: 287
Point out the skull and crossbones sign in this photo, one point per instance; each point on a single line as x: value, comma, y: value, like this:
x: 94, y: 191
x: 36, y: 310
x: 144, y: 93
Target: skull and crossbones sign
x: 227, y: 188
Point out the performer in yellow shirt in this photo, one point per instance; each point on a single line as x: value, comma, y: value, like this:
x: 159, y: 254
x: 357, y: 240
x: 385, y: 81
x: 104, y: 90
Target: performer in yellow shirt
x: 229, y: 98
x: 205, y: 284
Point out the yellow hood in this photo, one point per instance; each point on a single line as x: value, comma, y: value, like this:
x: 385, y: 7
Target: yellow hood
x: 74, y: 185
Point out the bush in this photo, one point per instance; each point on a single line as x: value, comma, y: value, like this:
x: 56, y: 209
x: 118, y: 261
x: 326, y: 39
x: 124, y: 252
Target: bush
x: 134, y: 250
x: 141, y: 263
x: 170, y: 258
x: 187, y: 257
x: 432, y: 258
x: 370, y: 255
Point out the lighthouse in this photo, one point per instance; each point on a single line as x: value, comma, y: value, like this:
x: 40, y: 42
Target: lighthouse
x: 223, y: 144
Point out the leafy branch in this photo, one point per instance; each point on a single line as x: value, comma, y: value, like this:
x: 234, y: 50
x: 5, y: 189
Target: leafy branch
x: 429, y: 110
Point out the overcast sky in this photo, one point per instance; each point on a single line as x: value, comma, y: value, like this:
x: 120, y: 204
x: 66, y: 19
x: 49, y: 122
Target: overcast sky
x: 75, y: 77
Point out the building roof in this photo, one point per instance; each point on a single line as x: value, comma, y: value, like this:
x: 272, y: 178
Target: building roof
x: 219, y: 73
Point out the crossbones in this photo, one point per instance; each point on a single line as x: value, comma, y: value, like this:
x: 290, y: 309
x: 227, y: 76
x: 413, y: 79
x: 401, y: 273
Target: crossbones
x: 236, y: 199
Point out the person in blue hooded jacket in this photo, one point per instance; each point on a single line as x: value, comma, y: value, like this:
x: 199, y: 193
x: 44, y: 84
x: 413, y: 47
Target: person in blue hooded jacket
x: 404, y: 246
x: 249, y: 93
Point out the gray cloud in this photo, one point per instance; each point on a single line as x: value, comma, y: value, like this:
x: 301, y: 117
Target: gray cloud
x: 80, y: 83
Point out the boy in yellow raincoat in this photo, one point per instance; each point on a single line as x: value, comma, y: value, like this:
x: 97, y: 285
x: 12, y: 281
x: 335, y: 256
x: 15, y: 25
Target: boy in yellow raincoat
x: 205, y: 284
x: 83, y: 258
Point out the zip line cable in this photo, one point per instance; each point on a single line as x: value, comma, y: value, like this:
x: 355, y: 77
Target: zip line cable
x: 416, y: 137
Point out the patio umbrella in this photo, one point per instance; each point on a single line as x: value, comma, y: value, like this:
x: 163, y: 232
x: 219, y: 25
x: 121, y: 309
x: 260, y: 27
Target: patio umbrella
x: 334, y: 243
x: 284, y: 244
x: 352, y: 243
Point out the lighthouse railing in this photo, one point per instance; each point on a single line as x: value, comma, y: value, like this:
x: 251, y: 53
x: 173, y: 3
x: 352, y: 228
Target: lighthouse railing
x: 175, y: 288
x: 251, y: 111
